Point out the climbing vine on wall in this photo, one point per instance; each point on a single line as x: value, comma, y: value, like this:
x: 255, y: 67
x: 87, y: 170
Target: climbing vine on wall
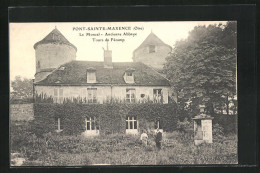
x: 110, y: 117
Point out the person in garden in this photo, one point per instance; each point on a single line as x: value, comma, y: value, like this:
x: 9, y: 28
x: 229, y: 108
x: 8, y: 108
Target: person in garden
x: 158, y: 139
x: 144, y: 138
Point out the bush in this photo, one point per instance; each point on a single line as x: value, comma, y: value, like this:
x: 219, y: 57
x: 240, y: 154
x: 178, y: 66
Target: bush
x: 227, y: 122
x: 185, y: 125
x: 25, y: 142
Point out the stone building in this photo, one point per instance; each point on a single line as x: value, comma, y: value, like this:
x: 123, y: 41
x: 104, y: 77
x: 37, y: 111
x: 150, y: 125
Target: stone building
x: 51, y: 52
x: 152, y: 52
x: 61, y: 77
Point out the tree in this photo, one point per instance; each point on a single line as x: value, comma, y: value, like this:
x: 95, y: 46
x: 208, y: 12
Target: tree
x: 22, y: 88
x: 203, y: 67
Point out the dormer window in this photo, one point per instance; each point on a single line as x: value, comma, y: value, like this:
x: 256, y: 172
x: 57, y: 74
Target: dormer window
x: 62, y: 68
x: 151, y: 48
x: 129, y: 76
x: 91, y: 75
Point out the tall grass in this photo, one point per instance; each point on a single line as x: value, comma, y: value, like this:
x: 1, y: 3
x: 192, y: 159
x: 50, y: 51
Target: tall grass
x: 58, y: 150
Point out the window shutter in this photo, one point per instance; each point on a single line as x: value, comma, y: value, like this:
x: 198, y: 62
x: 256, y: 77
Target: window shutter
x: 56, y: 92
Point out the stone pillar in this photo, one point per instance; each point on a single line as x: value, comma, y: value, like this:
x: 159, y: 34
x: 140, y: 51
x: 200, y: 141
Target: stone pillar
x: 202, y: 127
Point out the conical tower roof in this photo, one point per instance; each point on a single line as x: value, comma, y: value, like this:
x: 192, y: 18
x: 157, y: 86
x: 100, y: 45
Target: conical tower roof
x: 152, y: 39
x: 55, y: 36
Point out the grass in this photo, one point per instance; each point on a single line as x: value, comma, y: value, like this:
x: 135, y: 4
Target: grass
x: 122, y: 150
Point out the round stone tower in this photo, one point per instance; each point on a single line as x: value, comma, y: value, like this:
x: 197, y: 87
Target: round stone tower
x: 152, y: 52
x: 51, y: 52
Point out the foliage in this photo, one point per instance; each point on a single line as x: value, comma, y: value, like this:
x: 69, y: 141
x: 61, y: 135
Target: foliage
x: 202, y: 67
x: 22, y: 88
x: 119, y: 149
x: 21, y: 101
x: 185, y: 125
x: 111, y: 118
x: 228, y: 123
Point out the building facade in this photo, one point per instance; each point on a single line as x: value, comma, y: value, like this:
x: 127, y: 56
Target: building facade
x: 94, y: 82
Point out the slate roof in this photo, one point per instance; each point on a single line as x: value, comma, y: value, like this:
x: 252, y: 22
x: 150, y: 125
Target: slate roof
x: 152, y: 39
x: 59, y: 38
x: 74, y: 73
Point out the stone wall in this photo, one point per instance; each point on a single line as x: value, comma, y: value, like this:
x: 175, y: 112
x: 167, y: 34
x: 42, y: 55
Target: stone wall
x: 53, y: 55
x: 21, y: 112
x: 155, y: 59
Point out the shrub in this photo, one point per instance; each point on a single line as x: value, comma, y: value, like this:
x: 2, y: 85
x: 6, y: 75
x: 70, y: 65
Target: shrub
x: 185, y: 125
x: 227, y: 122
x: 217, y: 131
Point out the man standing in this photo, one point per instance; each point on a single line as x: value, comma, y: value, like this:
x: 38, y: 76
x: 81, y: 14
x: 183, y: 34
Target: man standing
x: 158, y: 139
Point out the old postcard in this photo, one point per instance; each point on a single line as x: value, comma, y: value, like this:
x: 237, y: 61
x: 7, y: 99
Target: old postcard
x: 123, y: 93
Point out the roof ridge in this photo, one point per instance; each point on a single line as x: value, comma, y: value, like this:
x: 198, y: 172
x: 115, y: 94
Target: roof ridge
x: 49, y: 38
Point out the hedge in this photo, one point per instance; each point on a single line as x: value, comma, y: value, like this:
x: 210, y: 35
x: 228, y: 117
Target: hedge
x: 228, y: 122
x: 110, y: 117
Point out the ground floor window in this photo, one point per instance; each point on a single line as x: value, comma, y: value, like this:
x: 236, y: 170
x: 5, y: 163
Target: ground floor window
x: 131, y: 125
x: 92, y: 126
x: 158, y: 124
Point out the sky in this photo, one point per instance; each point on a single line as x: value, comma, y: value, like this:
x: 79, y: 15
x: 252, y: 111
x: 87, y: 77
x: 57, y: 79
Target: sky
x: 22, y: 37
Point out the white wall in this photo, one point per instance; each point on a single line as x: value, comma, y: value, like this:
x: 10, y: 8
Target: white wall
x: 104, y: 92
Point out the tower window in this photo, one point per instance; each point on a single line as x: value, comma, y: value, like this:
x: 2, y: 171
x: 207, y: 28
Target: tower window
x: 151, y: 48
x: 53, y: 36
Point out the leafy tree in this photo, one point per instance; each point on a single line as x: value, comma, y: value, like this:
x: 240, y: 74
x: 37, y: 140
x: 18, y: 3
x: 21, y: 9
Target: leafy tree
x: 21, y: 88
x: 202, y: 67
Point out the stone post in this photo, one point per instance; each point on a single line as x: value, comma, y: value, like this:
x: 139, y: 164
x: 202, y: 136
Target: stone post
x: 202, y: 127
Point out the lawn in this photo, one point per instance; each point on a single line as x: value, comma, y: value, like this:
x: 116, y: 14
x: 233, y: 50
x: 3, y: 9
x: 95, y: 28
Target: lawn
x: 118, y: 149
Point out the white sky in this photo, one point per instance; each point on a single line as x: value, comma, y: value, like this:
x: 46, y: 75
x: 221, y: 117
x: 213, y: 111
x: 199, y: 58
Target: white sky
x: 23, y: 36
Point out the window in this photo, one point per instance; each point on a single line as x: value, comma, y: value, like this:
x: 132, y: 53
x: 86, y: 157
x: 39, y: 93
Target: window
x: 129, y: 77
x: 91, y: 77
x: 92, y: 95
x: 131, y: 123
x: 58, y: 95
x: 151, y: 48
x: 157, y: 124
x: 53, y: 36
x: 58, y: 124
x: 91, y: 124
x: 130, y: 95
x: 157, y: 96
x: 129, y: 74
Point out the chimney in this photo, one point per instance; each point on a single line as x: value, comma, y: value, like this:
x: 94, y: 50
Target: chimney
x: 108, y: 58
